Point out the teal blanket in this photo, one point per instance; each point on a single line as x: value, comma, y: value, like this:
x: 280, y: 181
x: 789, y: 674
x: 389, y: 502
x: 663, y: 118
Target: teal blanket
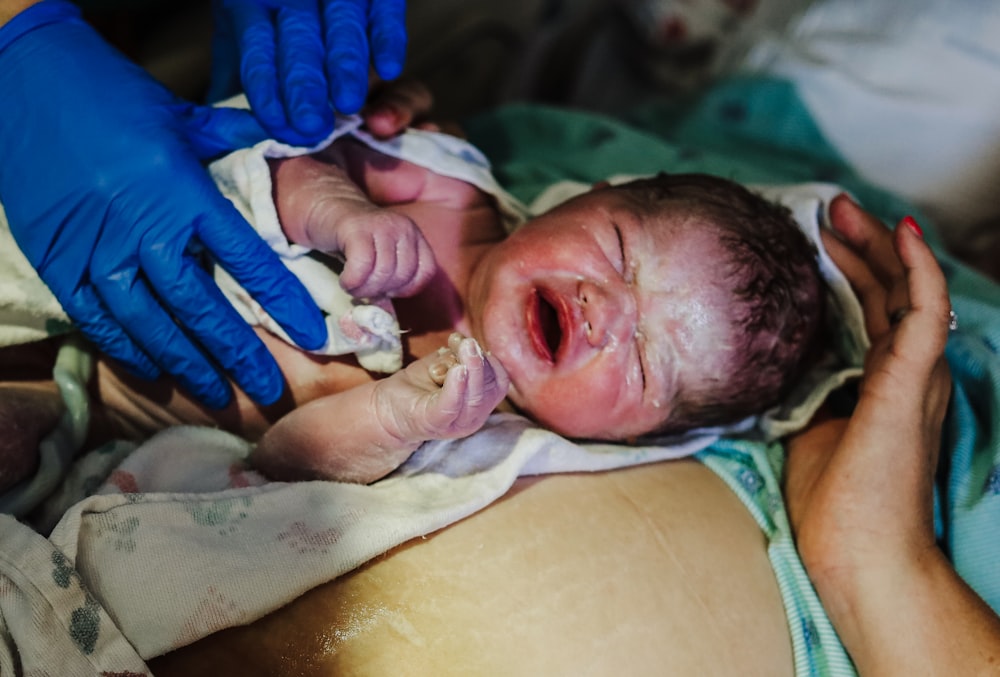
x: 757, y: 131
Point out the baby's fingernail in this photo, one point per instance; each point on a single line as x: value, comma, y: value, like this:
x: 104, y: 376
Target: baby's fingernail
x: 472, y: 347
x: 911, y: 223
x: 438, y: 372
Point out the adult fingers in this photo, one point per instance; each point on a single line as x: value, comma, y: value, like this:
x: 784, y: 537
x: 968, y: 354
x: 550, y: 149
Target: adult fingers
x: 869, y: 289
x: 258, y: 67
x: 868, y: 236
x: 92, y: 318
x: 923, y: 330
x: 302, y: 76
x: 906, y: 382
x: 241, y: 251
x: 347, y: 55
x: 215, y: 130
x: 387, y: 33
x: 140, y: 313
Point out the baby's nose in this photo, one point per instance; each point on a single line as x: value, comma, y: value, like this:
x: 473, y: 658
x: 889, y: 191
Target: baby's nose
x: 608, y: 314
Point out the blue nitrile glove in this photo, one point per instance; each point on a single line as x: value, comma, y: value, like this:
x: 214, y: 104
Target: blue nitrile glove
x: 106, y: 195
x: 301, y: 59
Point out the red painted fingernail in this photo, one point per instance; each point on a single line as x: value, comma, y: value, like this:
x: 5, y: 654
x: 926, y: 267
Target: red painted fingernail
x: 912, y: 224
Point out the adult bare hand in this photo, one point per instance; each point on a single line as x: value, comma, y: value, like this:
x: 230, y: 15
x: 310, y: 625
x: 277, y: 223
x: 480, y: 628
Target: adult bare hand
x: 871, y: 495
x: 859, y: 491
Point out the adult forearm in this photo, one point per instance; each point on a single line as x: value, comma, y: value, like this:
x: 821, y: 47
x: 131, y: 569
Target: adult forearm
x: 923, y: 620
x: 11, y: 8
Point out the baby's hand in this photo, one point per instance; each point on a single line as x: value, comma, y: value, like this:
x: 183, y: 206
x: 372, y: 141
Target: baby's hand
x: 321, y: 208
x: 385, y: 254
x: 446, y: 395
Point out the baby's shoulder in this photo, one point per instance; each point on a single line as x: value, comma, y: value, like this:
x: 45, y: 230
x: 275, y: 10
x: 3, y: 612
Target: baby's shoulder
x: 388, y: 180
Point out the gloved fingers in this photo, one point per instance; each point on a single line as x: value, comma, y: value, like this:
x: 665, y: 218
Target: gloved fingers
x: 150, y: 326
x: 91, y: 317
x: 258, y: 67
x: 213, y: 131
x: 346, y: 38
x: 211, y: 322
x: 245, y: 256
x: 224, y: 79
x: 387, y: 36
x: 302, y: 76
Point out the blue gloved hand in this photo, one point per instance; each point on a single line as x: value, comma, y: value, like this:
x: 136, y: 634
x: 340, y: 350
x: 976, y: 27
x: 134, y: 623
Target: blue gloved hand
x: 106, y: 195
x: 301, y: 59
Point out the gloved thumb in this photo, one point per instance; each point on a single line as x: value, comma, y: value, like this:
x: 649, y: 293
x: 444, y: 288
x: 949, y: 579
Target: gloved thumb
x: 215, y: 130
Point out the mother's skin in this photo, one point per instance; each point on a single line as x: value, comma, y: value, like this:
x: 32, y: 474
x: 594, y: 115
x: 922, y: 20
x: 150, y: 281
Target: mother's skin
x: 654, y: 570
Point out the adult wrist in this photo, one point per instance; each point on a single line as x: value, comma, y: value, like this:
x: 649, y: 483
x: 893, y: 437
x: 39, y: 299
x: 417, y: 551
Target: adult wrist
x: 861, y: 601
x: 20, y: 17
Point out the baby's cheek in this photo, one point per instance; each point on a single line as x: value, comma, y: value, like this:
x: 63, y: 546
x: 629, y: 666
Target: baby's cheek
x: 576, y: 407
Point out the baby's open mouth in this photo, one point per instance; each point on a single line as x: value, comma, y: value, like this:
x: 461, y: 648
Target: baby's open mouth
x: 544, y: 326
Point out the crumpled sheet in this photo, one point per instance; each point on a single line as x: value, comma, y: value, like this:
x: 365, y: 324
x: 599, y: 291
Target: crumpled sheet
x: 183, y: 539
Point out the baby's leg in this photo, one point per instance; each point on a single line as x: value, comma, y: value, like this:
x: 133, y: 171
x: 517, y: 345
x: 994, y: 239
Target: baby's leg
x: 30, y: 407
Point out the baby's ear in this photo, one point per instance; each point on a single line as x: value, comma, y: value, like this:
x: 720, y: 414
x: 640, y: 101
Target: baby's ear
x: 600, y: 185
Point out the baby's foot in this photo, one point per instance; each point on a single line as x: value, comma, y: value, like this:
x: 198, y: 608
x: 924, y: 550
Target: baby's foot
x: 446, y: 395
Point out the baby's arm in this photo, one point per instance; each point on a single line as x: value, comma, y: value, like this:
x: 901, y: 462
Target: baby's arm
x: 320, y: 207
x: 362, y: 434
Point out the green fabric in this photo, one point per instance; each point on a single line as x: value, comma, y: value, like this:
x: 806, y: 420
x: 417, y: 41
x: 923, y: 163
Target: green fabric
x: 751, y: 130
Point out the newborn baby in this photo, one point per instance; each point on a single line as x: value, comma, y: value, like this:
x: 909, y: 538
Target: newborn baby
x: 655, y: 306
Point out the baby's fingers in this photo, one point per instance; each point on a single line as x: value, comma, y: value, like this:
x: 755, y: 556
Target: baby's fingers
x: 386, y: 255
x: 487, y: 382
x: 473, y: 385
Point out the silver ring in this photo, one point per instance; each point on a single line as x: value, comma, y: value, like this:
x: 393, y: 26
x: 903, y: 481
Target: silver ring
x: 952, y: 320
x: 896, y: 316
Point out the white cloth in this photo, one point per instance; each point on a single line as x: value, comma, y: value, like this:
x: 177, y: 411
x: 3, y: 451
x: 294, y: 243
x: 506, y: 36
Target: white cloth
x: 28, y: 310
x: 907, y: 93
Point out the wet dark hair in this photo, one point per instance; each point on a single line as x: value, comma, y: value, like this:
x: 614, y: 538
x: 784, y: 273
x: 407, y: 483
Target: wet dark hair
x: 773, y: 271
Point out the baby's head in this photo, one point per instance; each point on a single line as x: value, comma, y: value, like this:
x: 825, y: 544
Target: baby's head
x: 655, y: 306
x: 770, y: 268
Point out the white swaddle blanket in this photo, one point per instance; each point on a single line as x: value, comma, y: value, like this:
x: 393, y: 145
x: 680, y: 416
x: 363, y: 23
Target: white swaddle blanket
x: 183, y: 539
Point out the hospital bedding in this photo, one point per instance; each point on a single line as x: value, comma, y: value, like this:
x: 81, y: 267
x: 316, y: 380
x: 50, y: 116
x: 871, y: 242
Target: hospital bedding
x: 81, y: 586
